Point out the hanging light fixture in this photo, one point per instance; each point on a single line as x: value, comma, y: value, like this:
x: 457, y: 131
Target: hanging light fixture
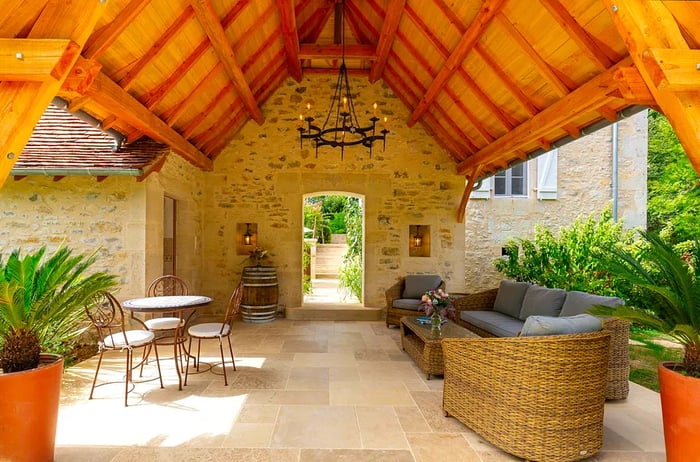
x: 418, y: 238
x: 247, y: 237
x: 341, y: 127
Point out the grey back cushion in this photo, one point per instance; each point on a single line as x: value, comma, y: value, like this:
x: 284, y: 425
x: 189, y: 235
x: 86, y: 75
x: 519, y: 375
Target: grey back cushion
x: 509, y: 298
x: 542, y: 301
x: 579, y: 302
x: 418, y: 284
x: 548, y: 325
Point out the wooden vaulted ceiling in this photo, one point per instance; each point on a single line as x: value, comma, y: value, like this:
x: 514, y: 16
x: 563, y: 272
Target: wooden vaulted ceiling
x: 495, y: 81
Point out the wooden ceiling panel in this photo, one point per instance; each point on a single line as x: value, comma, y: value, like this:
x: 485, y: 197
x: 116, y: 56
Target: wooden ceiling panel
x: 19, y: 16
x: 688, y: 16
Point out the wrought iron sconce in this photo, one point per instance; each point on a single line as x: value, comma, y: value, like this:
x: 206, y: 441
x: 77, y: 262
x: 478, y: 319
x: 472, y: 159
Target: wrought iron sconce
x: 417, y: 238
x: 247, y: 237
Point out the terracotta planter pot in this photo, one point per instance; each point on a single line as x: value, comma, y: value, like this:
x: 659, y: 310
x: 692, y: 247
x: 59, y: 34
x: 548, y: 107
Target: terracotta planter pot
x: 680, y: 405
x: 29, y: 411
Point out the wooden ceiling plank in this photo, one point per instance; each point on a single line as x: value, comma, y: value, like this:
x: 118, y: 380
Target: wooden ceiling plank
x: 677, y: 69
x: 310, y: 31
x: 107, y: 35
x: 577, y: 33
x: 646, y: 26
x: 207, y: 18
x: 23, y: 59
x: 288, y: 22
x: 394, y: 11
x: 172, y: 115
x: 451, y: 16
x: 156, y: 48
x: 507, y: 81
x: 502, y: 116
x: 544, y: 69
x: 262, y: 49
x: 217, y: 141
x: 446, y: 119
x: 488, y: 11
x: 112, y: 97
x: 196, y: 122
x: 473, y: 176
x: 475, y: 123
x: 355, y: 17
x: 23, y: 103
x: 587, y: 97
x: 313, y: 51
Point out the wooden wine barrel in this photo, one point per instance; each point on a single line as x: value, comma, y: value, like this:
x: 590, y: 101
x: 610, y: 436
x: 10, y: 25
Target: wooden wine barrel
x: 260, y: 293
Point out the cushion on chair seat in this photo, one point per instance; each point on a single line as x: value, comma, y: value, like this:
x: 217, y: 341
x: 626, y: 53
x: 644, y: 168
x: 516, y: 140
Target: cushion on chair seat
x: 407, y: 304
x: 416, y: 285
x: 549, y: 325
x: 135, y: 338
x: 579, y: 302
x: 164, y: 323
x: 208, y: 330
x: 499, y: 324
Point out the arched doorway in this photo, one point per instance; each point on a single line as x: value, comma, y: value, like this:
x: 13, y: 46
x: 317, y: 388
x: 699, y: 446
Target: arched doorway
x: 333, y: 249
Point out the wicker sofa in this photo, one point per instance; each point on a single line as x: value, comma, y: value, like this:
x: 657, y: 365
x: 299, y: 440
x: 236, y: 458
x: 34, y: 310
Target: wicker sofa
x: 539, y: 398
x: 479, y: 313
x: 404, y: 297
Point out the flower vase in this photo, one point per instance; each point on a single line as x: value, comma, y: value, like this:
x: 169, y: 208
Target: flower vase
x: 436, y: 323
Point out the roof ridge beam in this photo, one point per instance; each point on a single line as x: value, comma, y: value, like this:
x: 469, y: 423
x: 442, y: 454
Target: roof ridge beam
x: 217, y: 35
x: 109, y: 33
x: 483, y: 18
x: 288, y: 21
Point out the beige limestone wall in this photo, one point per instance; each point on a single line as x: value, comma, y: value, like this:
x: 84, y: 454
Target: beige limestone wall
x: 584, y: 187
x: 263, y: 175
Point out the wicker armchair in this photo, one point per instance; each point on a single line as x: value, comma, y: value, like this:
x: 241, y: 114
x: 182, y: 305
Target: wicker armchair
x: 618, y: 363
x: 539, y: 398
x: 394, y: 314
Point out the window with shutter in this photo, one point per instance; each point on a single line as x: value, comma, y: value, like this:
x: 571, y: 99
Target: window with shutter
x: 547, y: 176
x: 483, y: 191
x: 511, y: 182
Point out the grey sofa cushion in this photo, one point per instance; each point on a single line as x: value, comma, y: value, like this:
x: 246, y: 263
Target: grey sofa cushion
x: 579, y: 302
x: 406, y: 304
x: 542, y: 301
x: 560, y: 325
x: 499, y: 324
x: 418, y: 284
x: 509, y: 298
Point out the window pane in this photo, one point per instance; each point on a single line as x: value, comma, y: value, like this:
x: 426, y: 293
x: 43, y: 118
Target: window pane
x: 518, y: 170
x: 518, y: 187
x: 499, y: 185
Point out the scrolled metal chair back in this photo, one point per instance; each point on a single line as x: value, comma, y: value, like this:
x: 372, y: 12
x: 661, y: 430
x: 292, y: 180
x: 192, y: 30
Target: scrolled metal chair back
x: 168, y: 285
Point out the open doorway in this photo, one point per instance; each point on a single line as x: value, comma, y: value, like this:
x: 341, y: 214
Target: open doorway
x: 333, y: 243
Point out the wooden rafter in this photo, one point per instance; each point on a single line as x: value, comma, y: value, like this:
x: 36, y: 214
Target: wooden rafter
x: 288, y: 23
x: 312, y: 51
x: 310, y: 30
x: 192, y: 126
x: 487, y: 12
x: 471, y: 181
x: 394, y: 11
x: 109, y: 33
x: 32, y: 59
x: 647, y: 26
x: 587, y: 97
x: 156, y: 48
x: 210, y: 23
x: 577, y: 33
x: 172, y: 115
x: 28, y: 100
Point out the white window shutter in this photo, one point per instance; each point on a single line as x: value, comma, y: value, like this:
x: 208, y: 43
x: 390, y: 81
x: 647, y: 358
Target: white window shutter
x: 547, y: 176
x: 484, y: 191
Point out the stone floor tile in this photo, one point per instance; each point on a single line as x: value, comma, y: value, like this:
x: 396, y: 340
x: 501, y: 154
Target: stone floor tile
x: 355, y: 455
x: 430, y: 447
x: 316, y: 427
x: 380, y: 428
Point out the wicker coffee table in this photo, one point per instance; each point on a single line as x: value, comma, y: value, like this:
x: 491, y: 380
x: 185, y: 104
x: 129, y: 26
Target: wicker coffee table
x: 425, y: 347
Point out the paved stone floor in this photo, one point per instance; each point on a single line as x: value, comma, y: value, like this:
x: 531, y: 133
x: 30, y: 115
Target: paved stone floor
x: 303, y: 391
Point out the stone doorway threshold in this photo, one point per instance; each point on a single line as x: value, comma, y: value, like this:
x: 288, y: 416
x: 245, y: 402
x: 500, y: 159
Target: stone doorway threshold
x: 326, y: 303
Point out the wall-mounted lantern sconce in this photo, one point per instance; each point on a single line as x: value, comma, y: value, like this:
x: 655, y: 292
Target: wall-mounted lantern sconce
x: 247, y: 237
x: 417, y: 238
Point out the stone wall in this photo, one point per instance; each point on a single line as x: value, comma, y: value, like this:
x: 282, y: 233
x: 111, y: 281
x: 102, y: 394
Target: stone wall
x: 584, y: 186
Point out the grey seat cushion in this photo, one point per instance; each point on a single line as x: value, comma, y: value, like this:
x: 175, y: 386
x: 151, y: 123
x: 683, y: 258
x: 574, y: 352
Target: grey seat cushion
x: 561, y: 325
x: 406, y: 304
x: 499, y: 324
x: 418, y: 284
x: 509, y: 298
x: 579, y: 302
x: 542, y: 301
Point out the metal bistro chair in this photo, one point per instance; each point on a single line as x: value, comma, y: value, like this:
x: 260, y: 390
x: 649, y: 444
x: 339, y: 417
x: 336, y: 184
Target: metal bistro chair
x: 217, y: 330
x: 106, y: 314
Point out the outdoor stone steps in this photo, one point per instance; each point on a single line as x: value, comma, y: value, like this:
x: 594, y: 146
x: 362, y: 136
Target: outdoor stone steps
x: 329, y: 258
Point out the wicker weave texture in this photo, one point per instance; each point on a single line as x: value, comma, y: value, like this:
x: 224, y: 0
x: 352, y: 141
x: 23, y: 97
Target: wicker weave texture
x: 539, y: 398
x: 394, y: 315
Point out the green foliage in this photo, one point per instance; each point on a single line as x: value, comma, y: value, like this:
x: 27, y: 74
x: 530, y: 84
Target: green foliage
x: 665, y: 293
x: 43, y: 298
x: 350, y: 276
x: 327, y: 215
x: 306, y: 265
x: 673, y: 192
x: 570, y: 260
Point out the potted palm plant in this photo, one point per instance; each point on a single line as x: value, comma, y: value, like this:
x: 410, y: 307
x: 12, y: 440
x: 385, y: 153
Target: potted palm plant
x: 665, y: 296
x: 41, y: 306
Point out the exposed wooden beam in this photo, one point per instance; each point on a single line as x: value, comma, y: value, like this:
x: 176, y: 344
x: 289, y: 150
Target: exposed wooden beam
x: 192, y: 126
x: 109, y: 33
x: 646, y: 26
x: 632, y: 86
x: 134, y: 70
x: 394, y: 11
x: 23, y: 103
x: 32, y: 59
x: 313, y: 51
x: 210, y: 23
x: 676, y: 69
x: 78, y: 103
x: 172, y: 115
x: 288, y: 21
x: 311, y: 30
x: 466, y: 43
x: 586, y: 98
x: 113, y: 98
x: 472, y: 177
x: 577, y: 33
